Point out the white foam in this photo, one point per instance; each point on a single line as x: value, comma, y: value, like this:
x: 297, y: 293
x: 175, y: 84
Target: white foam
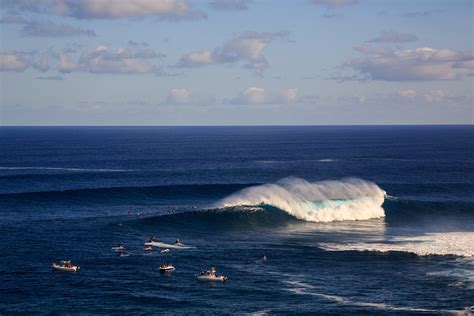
x: 324, y: 201
x: 454, y: 243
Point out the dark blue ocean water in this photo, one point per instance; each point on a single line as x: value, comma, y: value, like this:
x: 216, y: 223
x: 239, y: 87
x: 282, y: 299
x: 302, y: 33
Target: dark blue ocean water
x: 74, y: 192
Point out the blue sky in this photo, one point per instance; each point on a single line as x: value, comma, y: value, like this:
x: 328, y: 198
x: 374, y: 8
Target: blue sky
x: 236, y: 62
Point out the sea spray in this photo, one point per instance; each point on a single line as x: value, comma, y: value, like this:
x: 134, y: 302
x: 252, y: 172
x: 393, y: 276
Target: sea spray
x: 323, y: 201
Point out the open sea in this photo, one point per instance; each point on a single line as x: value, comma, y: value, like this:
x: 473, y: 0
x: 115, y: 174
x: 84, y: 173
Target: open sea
x: 352, y: 219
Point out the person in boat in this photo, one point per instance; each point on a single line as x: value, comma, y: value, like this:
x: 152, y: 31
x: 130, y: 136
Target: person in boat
x: 177, y: 242
x: 152, y: 238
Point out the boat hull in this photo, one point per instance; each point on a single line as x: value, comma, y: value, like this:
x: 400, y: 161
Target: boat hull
x: 68, y: 269
x: 207, y: 278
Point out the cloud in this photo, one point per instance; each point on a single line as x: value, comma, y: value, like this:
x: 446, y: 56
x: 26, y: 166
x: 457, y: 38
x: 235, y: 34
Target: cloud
x: 408, y: 96
x: 432, y: 96
x: 229, y: 5
x: 53, y: 78
x: 178, y: 96
x: 416, y: 14
x: 45, y: 28
x: 256, y: 95
x: 408, y: 93
x: 102, y: 60
x: 413, y: 64
x: 108, y: 9
x: 50, y: 29
x: 13, y: 62
x: 247, y: 47
x: 393, y: 37
x: 334, y: 3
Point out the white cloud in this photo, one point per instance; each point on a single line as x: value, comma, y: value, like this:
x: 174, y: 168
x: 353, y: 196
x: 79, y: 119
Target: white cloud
x: 109, y: 9
x: 408, y: 93
x: 289, y: 95
x: 334, y: 3
x: 393, y: 37
x: 196, y: 59
x: 247, y: 47
x: 178, y: 96
x: 251, y: 95
x: 434, y: 96
x: 45, y: 28
x: 102, y: 60
x: 257, y: 95
x: 413, y: 64
x: 13, y: 62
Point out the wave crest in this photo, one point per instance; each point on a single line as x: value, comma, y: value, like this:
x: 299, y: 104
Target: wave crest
x: 323, y: 201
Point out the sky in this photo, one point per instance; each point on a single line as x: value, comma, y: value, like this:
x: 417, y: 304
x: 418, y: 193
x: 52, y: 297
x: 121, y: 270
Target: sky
x: 236, y: 62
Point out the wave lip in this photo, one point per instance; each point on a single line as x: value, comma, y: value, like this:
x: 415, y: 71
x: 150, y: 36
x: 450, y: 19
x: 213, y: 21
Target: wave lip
x: 323, y: 201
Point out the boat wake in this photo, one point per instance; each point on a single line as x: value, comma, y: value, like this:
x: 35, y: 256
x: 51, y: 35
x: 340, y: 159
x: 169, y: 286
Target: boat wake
x: 323, y: 201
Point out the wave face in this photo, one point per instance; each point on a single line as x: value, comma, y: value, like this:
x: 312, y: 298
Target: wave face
x: 323, y: 201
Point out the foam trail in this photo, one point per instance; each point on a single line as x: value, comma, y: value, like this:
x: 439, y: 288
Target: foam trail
x: 442, y: 244
x: 324, y: 201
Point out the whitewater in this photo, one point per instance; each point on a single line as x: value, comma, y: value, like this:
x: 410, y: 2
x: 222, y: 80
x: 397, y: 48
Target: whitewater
x: 321, y: 201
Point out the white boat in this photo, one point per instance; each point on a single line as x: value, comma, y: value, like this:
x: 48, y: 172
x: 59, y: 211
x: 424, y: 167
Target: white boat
x: 65, y: 265
x: 166, y: 267
x: 165, y: 250
x: 212, y: 278
x: 122, y: 253
x: 211, y: 275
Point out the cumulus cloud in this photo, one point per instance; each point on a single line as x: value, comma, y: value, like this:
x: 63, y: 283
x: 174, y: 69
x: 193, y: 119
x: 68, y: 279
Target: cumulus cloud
x: 13, y: 61
x: 45, y: 28
x: 102, y: 59
x: 334, y: 3
x: 108, y: 9
x: 247, y: 47
x: 393, y: 37
x: 178, y: 96
x: 413, y: 64
x: 21, y: 60
x: 432, y: 96
x: 408, y: 93
x: 229, y: 5
x: 257, y: 95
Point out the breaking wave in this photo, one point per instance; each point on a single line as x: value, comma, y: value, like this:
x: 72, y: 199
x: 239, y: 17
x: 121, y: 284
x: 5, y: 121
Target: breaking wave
x: 323, y: 201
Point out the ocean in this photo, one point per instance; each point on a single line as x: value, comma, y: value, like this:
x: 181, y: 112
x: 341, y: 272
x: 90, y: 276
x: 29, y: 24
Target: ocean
x: 352, y: 219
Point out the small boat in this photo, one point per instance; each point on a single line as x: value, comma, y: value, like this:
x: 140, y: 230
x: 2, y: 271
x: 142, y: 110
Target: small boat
x: 165, y: 250
x: 166, y: 267
x: 121, y: 253
x: 65, y: 265
x: 211, y: 275
x: 148, y: 248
